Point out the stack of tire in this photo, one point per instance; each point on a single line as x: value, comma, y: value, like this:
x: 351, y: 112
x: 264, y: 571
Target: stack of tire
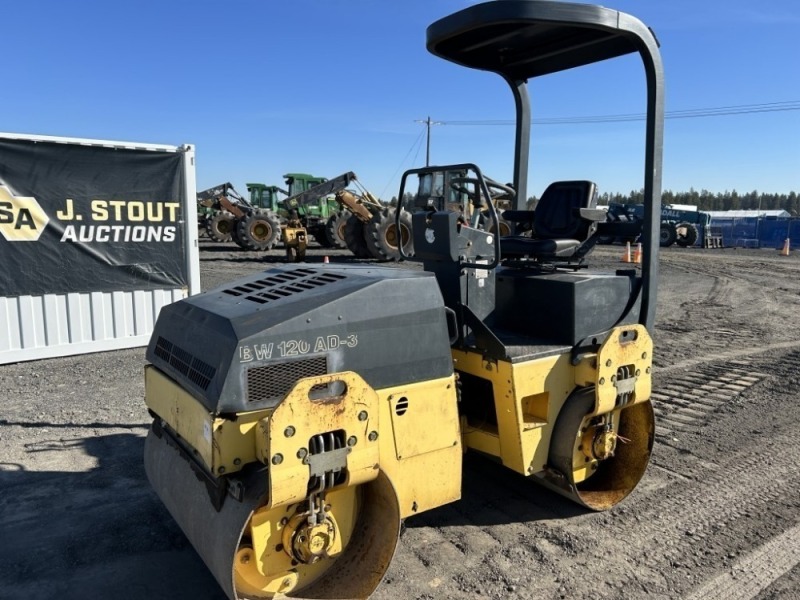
x: 377, y: 239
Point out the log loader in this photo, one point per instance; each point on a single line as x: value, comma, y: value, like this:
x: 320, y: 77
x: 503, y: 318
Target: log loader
x: 335, y: 216
x: 361, y: 224
x: 228, y: 216
x: 300, y: 414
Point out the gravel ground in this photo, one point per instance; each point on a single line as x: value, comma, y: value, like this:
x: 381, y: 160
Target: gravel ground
x: 716, y: 516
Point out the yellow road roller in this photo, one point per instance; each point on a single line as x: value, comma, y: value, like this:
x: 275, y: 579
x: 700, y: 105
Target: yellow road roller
x: 301, y: 413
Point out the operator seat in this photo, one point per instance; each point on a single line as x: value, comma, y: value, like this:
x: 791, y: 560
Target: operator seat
x: 561, y: 225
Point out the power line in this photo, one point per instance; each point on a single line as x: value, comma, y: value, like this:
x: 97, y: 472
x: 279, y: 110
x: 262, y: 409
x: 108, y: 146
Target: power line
x: 692, y: 113
x: 428, y: 155
x: 428, y: 124
x: 417, y: 143
x: 742, y: 109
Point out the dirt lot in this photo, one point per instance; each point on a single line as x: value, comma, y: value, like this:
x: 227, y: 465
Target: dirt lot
x: 716, y: 516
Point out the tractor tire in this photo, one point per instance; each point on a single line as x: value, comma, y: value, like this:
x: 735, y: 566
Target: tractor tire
x: 235, y: 238
x: 372, y: 247
x: 505, y: 226
x: 354, y: 236
x: 220, y: 226
x: 321, y: 236
x: 334, y: 229
x: 383, y: 236
x: 668, y: 235
x: 260, y: 230
x: 687, y: 234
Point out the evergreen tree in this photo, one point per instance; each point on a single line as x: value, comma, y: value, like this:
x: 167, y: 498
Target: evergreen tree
x: 705, y: 200
x: 794, y: 202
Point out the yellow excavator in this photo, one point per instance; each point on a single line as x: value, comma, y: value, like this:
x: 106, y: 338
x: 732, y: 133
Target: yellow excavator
x: 300, y: 414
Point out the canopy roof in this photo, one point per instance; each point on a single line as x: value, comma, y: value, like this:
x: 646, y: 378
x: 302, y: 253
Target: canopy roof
x: 521, y: 39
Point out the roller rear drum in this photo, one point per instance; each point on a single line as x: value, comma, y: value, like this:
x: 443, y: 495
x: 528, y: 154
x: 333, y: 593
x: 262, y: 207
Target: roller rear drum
x: 597, y: 461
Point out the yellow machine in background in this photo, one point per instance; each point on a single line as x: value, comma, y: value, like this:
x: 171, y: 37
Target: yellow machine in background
x: 300, y: 414
x: 294, y: 238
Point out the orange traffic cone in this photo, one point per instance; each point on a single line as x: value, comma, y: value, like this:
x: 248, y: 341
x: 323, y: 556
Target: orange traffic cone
x: 637, y: 255
x: 785, y: 250
x: 627, y: 256
x: 325, y: 260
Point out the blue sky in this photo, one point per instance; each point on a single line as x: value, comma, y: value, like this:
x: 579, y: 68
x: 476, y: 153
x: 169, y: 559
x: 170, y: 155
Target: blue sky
x: 325, y: 86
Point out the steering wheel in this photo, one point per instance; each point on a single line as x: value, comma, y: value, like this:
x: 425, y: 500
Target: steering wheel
x: 503, y: 191
x: 470, y: 230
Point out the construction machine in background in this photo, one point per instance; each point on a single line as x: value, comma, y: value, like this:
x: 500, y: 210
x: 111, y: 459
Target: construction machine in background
x: 308, y: 195
x: 685, y: 227
x: 340, y: 217
x: 447, y: 189
x: 318, y: 208
x: 300, y: 414
x: 213, y: 215
x: 267, y: 197
x: 340, y: 212
x: 368, y: 227
x: 332, y: 214
x: 227, y: 216
x: 678, y: 225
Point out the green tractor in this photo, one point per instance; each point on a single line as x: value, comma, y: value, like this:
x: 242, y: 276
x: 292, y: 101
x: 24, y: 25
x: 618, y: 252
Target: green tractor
x: 266, y: 197
x: 314, y: 210
x: 334, y: 215
x: 227, y: 216
x: 306, y: 194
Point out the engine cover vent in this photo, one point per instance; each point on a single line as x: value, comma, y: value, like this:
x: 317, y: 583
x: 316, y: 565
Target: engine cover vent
x: 274, y: 381
x: 191, y: 367
x: 282, y: 285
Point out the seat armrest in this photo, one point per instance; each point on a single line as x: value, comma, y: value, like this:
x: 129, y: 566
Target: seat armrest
x: 518, y: 216
x: 619, y: 228
x: 592, y: 214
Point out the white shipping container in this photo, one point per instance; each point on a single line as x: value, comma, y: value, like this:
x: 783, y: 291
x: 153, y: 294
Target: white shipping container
x: 66, y: 322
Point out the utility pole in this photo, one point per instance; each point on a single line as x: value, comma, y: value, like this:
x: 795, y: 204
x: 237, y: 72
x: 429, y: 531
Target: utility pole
x: 428, y: 124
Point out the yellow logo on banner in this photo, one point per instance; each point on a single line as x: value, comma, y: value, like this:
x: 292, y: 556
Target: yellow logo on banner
x: 21, y: 218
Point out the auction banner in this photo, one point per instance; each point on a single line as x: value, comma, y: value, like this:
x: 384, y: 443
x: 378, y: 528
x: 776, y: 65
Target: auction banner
x: 80, y: 218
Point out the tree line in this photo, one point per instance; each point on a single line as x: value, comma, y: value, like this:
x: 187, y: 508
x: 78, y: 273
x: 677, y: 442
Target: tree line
x: 705, y: 200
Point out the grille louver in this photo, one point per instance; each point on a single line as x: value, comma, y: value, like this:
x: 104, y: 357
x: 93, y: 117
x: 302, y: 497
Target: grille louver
x: 273, y: 382
x: 282, y: 285
x: 191, y: 367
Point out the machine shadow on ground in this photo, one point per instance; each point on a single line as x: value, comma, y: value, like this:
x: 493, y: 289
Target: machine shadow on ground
x: 107, y: 519
x: 104, y: 527
x: 493, y: 495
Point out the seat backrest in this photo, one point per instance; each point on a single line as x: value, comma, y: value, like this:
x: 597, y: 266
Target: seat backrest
x: 557, y: 215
